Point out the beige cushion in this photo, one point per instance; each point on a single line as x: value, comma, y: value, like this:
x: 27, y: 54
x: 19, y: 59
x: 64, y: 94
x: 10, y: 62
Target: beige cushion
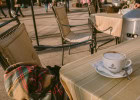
x: 66, y: 32
x: 78, y: 37
x: 17, y: 47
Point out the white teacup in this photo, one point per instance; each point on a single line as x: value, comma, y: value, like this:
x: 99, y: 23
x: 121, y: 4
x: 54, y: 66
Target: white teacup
x: 115, y: 61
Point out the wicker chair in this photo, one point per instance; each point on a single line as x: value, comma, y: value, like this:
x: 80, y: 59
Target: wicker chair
x: 68, y: 37
x: 16, y: 46
x: 94, y: 29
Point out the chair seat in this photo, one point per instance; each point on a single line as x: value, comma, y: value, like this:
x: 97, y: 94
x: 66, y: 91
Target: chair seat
x: 77, y: 37
x: 67, y: 35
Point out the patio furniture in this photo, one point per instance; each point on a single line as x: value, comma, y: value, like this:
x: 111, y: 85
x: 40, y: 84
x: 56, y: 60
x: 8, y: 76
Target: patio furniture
x: 68, y: 37
x: 1, y: 9
x: 105, y: 7
x: 94, y: 29
x: 16, y: 46
x: 15, y: 7
x: 91, y: 9
x: 82, y: 82
x: 104, y: 21
x: 100, y: 26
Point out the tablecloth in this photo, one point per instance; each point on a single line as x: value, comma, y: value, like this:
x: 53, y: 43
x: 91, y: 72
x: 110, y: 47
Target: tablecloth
x: 106, y: 20
x: 82, y: 82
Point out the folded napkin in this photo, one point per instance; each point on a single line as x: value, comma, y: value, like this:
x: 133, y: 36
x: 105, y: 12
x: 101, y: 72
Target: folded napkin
x: 100, y: 67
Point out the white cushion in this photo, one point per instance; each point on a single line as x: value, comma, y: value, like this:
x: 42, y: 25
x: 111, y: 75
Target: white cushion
x: 77, y: 37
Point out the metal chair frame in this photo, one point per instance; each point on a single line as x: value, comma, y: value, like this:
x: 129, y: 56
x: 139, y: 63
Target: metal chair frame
x: 101, y: 9
x: 3, y: 61
x: 16, y: 46
x: 1, y: 9
x: 91, y: 9
x: 65, y: 43
x: 18, y: 9
x: 95, y: 30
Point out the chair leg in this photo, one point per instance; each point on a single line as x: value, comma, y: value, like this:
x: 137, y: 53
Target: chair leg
x: 3, y: 12
x: 95, y: 42
x: 105, y: 43
x: 21, y: 12
x: 95, y: 47
x: 9, y: 11
x: 117, y: 40
x: 69, y: 50
x: 91, y: 48
x: 62, y: 56
x: 17, y: 10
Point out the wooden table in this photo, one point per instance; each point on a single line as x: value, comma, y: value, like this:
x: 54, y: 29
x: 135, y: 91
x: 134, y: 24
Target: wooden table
x: 82, y: 82
x: 106, y: 20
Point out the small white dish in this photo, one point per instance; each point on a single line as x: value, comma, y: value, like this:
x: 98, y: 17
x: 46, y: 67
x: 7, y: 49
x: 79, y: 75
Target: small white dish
x: 105, y: 72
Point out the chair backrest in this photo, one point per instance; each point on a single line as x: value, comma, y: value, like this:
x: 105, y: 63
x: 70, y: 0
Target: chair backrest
x: 91, y: 9
x: 62, y: 19
x: 92, y: 27
x: 16, y: 47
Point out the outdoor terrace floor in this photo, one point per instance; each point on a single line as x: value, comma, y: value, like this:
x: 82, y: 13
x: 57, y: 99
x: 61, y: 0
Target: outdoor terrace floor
x: 49, y: 34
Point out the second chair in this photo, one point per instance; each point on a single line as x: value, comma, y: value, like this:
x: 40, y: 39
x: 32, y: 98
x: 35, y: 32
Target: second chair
x: 68, y: 37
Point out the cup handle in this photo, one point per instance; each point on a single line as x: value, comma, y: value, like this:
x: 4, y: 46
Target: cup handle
x: 128, y: 63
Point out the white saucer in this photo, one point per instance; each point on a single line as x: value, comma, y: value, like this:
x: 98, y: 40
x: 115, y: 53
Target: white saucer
x: 105, y: 72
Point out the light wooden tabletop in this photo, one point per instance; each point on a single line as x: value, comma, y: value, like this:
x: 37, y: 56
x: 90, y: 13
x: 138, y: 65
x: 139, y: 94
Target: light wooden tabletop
x: 82, y: 82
